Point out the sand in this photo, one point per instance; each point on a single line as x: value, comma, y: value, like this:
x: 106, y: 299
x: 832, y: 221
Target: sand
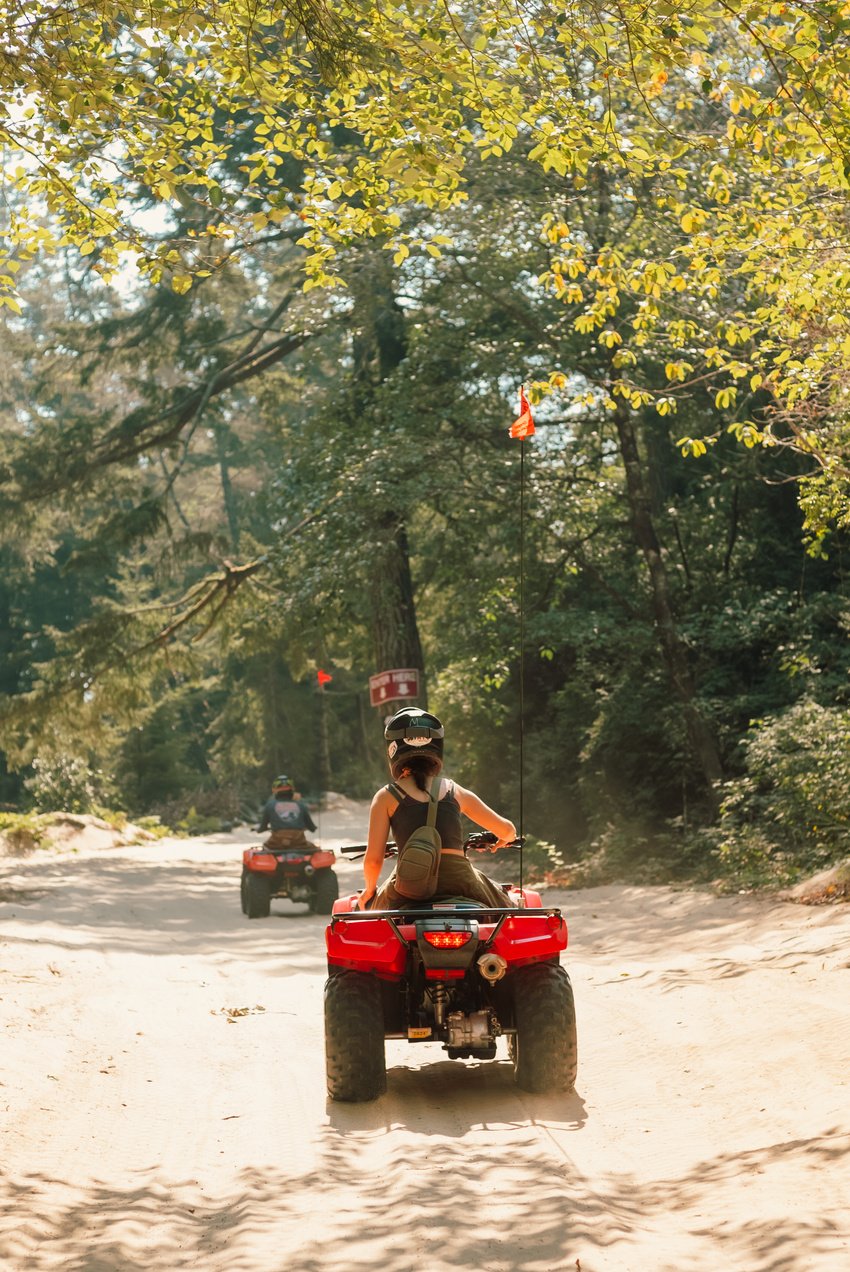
x: 163, y: 1105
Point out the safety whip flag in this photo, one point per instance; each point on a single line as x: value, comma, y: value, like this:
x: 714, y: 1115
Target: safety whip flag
x: 524, y: 425
x: 323, y: 678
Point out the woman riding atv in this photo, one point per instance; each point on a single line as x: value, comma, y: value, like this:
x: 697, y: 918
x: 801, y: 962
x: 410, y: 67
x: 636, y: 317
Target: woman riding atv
x: 414, y: 741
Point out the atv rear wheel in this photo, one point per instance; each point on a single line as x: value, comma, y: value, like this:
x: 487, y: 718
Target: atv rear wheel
x: 354, y: 1037
x: 325, y: 891
x: 545, y: 1049
x: 258, y: 896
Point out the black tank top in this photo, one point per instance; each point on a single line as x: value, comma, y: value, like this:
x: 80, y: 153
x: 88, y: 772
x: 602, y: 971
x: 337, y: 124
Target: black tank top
x: 412, y: 813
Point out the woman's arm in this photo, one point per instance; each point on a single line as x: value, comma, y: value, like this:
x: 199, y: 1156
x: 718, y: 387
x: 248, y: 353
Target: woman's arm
x: 476, y: 810
x: 376, y: 844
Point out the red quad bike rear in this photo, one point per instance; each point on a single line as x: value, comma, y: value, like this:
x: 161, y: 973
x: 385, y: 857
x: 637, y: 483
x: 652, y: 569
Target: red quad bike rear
x: 301, y: 874
x: 452, y: 972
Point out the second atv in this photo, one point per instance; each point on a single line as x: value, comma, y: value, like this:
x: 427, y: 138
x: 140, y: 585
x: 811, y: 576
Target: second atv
x: 299, y: 873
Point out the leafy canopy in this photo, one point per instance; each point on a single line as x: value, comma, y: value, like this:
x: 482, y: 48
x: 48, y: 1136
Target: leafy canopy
x: 726, y: 124
x: 99, y: 98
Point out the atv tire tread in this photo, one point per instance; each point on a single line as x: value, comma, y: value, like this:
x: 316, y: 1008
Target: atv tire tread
x: 325, y: 892
x: 354, y: 1037
x: 258, y: 897
x: 545, y: 1049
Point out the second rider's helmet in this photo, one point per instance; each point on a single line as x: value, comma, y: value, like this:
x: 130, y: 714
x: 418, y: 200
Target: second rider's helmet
x: 413, y: 733
x: 283, y: 787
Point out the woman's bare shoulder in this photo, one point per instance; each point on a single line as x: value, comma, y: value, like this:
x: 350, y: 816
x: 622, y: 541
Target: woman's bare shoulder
x: 390, y: 796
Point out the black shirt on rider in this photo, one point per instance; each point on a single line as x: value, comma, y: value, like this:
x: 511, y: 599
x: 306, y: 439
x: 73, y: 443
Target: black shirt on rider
x: 412, y: 813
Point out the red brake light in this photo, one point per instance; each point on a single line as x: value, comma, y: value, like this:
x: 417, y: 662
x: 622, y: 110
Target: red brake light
x: 447, y: 940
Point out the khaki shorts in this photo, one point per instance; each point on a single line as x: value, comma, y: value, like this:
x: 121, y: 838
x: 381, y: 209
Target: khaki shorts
x: 288, y: 839
x: 456, y: 878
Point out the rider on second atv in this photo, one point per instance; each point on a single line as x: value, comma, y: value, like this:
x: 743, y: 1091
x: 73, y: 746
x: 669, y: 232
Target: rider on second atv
x: 414, y: 740
x: 286, y: 815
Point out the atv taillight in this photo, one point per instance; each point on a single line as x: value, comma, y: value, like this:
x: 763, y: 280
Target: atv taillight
x: 447, y: 940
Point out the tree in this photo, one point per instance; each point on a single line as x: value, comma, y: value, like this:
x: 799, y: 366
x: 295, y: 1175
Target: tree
x: 424, y: 87
x: 384, y: 404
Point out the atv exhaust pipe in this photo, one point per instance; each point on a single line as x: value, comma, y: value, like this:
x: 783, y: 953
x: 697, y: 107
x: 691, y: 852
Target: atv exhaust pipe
x: 492, y: 967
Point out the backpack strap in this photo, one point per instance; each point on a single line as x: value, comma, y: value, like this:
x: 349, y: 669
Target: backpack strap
x: 433, y: 800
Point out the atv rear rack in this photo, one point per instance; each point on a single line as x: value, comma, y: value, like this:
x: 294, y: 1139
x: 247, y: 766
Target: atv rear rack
x: 478, y: 913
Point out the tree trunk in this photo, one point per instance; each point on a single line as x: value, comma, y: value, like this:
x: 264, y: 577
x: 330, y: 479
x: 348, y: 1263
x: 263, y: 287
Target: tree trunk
x: 673, y: 649
x: 380, y: 345
x: 395, y: 632
x: 221, y: 447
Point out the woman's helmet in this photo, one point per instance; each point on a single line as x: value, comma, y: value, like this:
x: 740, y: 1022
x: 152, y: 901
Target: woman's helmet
x: 283, y: 786
x: 413, y: 733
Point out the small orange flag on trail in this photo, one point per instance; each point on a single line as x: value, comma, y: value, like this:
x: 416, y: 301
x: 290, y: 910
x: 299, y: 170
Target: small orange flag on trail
x: 524, y: 425
x: 324, y: 678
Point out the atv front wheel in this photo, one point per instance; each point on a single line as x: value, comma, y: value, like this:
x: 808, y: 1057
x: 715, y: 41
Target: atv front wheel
x: 325, y: 891
x: 545, y: 1048
x: 258, y: 897
x: 243, y: 890
x: 354, y: 1037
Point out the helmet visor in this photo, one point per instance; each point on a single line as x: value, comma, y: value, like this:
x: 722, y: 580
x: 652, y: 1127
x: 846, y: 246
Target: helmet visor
x: 416, y: 731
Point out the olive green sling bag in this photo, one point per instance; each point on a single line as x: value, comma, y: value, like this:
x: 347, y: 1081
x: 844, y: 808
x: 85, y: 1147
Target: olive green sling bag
x: 418, y: 861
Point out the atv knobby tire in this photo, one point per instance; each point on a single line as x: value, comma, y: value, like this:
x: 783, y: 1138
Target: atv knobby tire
x: 545, y: 1049
x: 258, y: 896
x: 242, y: 891
x: 354, y: 1037
x: 325, y: 891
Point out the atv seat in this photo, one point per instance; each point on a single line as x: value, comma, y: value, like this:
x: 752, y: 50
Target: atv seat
x: 445, y: 902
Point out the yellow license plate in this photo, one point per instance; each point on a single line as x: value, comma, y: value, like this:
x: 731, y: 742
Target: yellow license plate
x: 423, y: 1032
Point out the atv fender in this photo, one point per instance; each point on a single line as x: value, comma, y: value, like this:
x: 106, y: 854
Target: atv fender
x: 530, y: 898
x: 345, y: 905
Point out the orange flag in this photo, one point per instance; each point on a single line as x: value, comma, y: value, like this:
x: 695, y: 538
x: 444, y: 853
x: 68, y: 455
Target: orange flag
x: 524, y: 425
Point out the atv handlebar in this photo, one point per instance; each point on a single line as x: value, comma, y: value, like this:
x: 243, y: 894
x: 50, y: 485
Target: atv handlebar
x: 359, y: 850
x: 478, y: 841
x: 483, y: 840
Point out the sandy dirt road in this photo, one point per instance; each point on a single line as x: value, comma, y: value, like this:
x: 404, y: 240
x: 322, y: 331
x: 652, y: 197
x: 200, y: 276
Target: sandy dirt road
x: 143, y: 1127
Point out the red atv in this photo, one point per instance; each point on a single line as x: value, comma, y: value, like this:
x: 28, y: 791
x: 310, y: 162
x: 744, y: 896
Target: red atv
x: 451, y: 971
x: 300, y: 873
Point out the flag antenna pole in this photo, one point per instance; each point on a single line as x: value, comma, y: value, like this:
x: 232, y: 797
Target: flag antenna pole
x: 521, y: 649
x: 523, y: 428
x: 323, y: 678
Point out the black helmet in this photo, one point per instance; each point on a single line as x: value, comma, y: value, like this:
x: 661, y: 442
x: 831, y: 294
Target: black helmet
x: 413, y: 733
x: 282, y: 786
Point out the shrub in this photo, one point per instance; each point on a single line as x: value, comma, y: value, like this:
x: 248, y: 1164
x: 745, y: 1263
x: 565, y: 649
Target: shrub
x: 790, y: 811
x: 223, y: 804
x: 195, y: 823
x: 63, y: 783
x: 21, y: 832
x: 541, y: 861
x: 154, y: 826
